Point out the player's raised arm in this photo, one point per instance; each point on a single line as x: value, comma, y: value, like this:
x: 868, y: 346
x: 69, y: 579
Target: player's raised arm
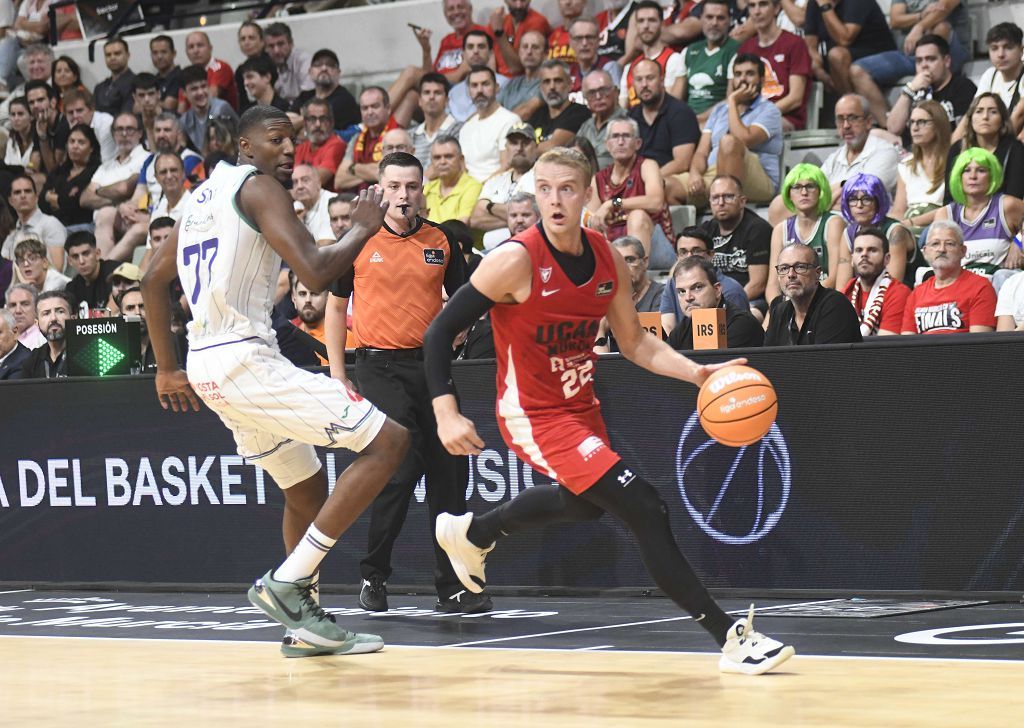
x: 646, y: 350
x: 172, y: 385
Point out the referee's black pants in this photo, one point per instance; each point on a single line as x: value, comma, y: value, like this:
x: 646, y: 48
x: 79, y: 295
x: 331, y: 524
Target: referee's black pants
x: 395, y: 382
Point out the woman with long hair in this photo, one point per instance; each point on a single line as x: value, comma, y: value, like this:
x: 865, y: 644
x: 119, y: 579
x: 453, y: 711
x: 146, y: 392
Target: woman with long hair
x: 65, y: 74
x: 865, y: 203
x: 921, y: 176
x: 989, y: 128
x: 806, y: 193
x: 61, y: 196
x: 988, y: 218
x: 21, y: 148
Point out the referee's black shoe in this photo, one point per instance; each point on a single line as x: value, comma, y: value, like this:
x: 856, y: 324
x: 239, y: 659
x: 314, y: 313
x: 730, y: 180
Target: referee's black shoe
x: 373, y: 597
x: 465, y: 602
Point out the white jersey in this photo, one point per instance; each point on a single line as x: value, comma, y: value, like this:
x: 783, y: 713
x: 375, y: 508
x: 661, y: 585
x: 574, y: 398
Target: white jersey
x: 227, y: 269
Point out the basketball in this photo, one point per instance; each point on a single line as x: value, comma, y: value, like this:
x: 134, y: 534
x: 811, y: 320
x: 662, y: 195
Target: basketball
x: 737, y: 405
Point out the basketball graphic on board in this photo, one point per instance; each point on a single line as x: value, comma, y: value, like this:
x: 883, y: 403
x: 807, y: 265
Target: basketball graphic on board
x: 737, y: 405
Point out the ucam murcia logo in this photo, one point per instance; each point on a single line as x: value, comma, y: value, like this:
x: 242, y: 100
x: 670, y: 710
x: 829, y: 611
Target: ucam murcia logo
x: 588, y: 447
x: 732, y: 377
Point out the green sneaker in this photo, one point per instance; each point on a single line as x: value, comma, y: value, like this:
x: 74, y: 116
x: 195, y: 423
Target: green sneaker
x: 292, y: 605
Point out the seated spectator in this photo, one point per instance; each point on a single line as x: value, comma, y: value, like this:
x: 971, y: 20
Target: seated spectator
x: 584, y: 38
x: 695, y: 241
x: 705, y: 66
x: 523, y: 213
x: 292, y: 63
x: 79, y: 108
x: 521, y: 94
x: 954, y: 300
x: 21, y: 148
x: 167, y: 138
x: 934, y: 80
x: 850, y: 30
x: 160, y: 229
x: 306, y: 190
x: 53, y: 309
x: 31, y: 27
x: 396, y: 140
x: 202, y: 106
x: 668, y: 127
x: 89, y: 285
x: 1006, y: 76
x: 694, y: 282
x: 65, y: 75
x: 807, y: 313
x: 453, y: 193
x: 508, y: 29
x: 221, y: 145
x: 482, y: 137
x: 628, y: 198
x: 146, y: 102
x: 477, y: 50
x: 559, y: 42
x: 742, y: 138
x: 162, y: 55
x: 35, y: 64
x: 252, y: 45
x: 1010, y: 305
x: 114, y: 94
x: 646, y: 292
x: 125, y: 276
x: 865, y: 203
x: 987, y: 219
x: 647, y: 21
x: 61, y: 196
x: 877, y: 297
x: 325, y: 71
x: 339, y: 208
x: 310, y: 311
x: 32, y: 267
x: 358, y: 169
x: 740, y: 238
x: 113, y: 183
x: 787, y: 63
x: 34, y: 223
x: 921, y: 184
x: 51, y: 129
x: 489, y: 213
x: 807, y: 194
x: 259, y: 75
x: 170, y: 173
x: 12, y: 352
x: 599, y: 91
x: 220, y: 78
x: 323, y: 149
x: 433, y: 95
x: 558, y: 120
x: 21, y: 302
x: 988, y: 127
x: 130, y: 303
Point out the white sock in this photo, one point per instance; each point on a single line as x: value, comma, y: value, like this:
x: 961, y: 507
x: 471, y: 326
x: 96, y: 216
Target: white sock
x: 306, y: 558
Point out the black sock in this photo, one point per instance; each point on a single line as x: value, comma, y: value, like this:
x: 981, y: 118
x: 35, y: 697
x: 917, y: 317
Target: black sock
x: 533, y: 507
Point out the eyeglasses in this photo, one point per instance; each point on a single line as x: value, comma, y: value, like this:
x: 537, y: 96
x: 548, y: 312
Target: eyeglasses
x: 595, y: 92
x: 914, y: 123
x: 687, y: 252
x: 126, y: 129
x: 804, y: 187
x: 633, y: 260
x: 942, y: 244
x: 621, y: 137
x: 581, y: 38
x: 784, y: 269
x: 849, y: 119
x: 725, y: 197
x: 29, y: 259
x: 862, y: 200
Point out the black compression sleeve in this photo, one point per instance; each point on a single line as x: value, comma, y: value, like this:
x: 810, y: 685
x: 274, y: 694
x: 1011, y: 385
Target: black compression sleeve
x: 461, y: 311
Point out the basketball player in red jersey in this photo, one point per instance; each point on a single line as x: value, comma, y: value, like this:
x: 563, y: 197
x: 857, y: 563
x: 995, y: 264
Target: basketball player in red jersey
x: 547, y: 289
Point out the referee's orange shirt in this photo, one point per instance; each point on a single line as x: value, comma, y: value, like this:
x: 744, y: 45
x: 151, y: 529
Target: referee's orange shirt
x: 396, y: 284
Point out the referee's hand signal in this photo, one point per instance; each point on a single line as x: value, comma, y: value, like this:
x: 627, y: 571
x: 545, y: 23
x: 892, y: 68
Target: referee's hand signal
x: 370, y: 208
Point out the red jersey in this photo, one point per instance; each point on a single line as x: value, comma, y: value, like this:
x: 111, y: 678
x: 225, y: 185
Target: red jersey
x: 632, y: 186
x: 787, y: 56
x: 328, y: 156
x: 661, y: 59
x: 894, y: 303
x: 558, y: 45
x: 532, y: 21
x: 449, y: 53
x: 547, y: 410
x: 969, y: 301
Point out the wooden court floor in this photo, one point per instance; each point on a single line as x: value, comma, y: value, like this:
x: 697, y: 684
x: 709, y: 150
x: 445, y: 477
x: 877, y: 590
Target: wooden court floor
x: 130, y: 682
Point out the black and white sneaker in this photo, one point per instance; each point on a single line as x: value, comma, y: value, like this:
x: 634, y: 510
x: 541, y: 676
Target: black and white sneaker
x: 749, y: 652
x: 373, y: 597
x: 467, y: 558
x: 464, y: 602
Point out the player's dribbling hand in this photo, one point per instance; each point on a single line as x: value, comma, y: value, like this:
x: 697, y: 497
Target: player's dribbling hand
x: 458, y: 435
x: 174, y: 391
x: 369, y: 210
x: 703, y: 371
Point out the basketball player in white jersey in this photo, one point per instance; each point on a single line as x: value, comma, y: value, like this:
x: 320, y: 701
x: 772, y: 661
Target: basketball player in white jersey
x: 227, y: 250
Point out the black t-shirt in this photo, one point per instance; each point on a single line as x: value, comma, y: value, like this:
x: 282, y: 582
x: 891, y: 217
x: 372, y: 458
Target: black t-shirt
x: 749, y: 244
x: 875, y: 35
x: 169, y: 86
x: 277, y: 102
x: 571, y: 119
x: 38, y: 365
x: 343, y: 104
x: 955, y: 97
x: 115, y: 95
x: 742, y: 330
x: 96, y: 293
x: 831, y: 319
x: 675, y: 125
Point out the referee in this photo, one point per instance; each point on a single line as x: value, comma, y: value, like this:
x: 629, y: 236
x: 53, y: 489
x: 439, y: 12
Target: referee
x: 396, y: 285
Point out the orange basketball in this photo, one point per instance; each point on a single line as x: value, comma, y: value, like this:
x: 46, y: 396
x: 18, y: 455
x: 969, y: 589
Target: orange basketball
x: 737, y: 405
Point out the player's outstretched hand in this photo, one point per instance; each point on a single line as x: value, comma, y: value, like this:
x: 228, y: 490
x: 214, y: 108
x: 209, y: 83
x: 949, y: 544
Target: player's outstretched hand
x: 706, y: 370
x: 174, y: 391
x: 370, y: 208
x: 458, y: 435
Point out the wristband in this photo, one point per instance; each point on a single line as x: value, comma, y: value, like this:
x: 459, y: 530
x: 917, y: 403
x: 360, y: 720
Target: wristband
x: 490, y: 206
x: 1017, y: 241
x: 826, y: 7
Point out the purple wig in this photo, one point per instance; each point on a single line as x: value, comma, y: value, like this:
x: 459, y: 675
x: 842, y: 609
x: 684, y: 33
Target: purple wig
x: 870, y: 185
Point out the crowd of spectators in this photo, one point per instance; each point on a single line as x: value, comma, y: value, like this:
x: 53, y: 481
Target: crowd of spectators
x: 912, y: 225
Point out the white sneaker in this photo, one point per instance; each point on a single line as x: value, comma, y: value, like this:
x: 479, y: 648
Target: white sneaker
x: 467, y: 558
x: 749, y: 652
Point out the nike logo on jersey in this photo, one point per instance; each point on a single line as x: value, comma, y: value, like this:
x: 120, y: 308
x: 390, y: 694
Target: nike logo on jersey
x: 376, y: 258
x: 545, y: 293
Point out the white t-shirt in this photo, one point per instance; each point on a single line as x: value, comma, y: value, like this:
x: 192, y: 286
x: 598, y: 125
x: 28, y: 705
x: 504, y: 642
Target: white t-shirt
x: 483, y: 140
x: 117, y: 171
x: 992, y: 81
x: 318, y: 220
x: 917, y: 184
x: 102, y: 124
x: 878, y: 157
x: 786, y: 24
x: 1011, y: 299
x: 14, y: 156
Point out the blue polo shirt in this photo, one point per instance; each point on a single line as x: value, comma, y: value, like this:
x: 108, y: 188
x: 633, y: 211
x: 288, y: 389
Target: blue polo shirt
x: 762, y: 113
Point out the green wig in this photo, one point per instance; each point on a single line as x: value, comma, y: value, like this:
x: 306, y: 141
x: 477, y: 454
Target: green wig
x: 984, y: 159
x: 814, y: 174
